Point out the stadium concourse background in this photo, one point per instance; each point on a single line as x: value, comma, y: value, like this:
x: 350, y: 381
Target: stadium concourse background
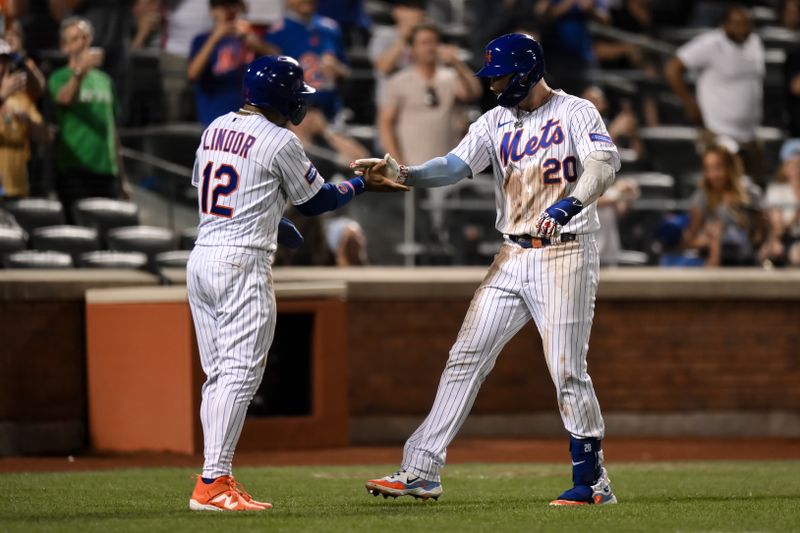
x: 685, y: 361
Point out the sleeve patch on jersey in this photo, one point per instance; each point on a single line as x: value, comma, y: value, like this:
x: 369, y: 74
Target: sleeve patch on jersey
x: 600, y: 138
x: 311, y: 173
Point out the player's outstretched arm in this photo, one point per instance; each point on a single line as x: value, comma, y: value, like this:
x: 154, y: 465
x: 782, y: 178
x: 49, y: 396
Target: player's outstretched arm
x: 598, y: 175
x: 331, y: 197
x: 437, y: 172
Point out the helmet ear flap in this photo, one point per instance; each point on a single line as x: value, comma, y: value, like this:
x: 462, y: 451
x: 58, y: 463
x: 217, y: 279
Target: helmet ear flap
x: 516, y: 91
x: 297, y: 111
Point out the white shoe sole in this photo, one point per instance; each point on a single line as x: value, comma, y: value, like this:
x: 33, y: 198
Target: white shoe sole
x: 194, y: 505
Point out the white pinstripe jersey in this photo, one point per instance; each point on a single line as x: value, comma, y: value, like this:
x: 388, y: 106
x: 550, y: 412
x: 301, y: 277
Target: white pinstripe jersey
x: 537, y: 158
x: 246, y: 169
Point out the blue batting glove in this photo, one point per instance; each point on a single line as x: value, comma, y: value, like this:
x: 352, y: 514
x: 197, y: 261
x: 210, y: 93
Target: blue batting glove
x: 556, y: 216
x: 288, y: 234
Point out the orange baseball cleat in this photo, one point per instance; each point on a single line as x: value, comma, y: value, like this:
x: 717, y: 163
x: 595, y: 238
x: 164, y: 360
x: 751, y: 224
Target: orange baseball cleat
x: 225, y: 494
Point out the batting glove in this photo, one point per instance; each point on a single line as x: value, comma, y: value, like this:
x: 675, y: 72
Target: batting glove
x: 557, y: 216
x: 391, y: 171
x: 288, y: 234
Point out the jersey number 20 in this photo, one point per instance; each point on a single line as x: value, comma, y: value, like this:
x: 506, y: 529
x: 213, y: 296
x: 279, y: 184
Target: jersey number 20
x: 552, y: 170
x: 228, y: 180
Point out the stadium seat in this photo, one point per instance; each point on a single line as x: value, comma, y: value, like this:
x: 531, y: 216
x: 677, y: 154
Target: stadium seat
x: 652, y: 184
x: 73, y: 240
x: 187, y: 238
x: 113, y: 259
x: 149, y: 240
x: 105, y: 214
x: 12, y: 240
x: 38, y: 259
x: 32, y: 213
x: 172, y: 259
x: 672, y: 149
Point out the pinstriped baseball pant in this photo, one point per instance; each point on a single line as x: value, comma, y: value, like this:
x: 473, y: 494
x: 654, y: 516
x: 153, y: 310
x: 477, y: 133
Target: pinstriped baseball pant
x: 556, y: 287
x: 233, y: 307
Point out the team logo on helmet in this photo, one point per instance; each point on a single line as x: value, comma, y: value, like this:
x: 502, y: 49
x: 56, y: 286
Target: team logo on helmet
x: 488, y: 56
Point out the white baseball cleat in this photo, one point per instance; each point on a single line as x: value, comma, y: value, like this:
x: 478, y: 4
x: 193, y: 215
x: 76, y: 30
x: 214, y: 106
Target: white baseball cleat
x: 403, y: 483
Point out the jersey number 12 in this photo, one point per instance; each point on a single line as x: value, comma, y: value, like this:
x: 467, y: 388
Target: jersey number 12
x: 228, y: 182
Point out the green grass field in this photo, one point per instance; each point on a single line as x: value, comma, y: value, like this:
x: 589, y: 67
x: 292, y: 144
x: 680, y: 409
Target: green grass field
x: 741, y: 496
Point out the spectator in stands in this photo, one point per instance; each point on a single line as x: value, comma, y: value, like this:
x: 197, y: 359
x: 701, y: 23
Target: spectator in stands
x: 87, y: 158
x: 316, y: 42
x: 614, y: 203
x: 351, y: 18
x: 624, y: 127
x: 790, y: 20
x: 789, y: 14
x: 729, y: 104
x: 725, y: 221
x: 111, y: 20
x: 149, y: 25
x: 218, y: 60
x: 346, y: 240
x: 782, y: 203
x: 388, y: 47
x: 19, y: 122
x: 15, y: 37
x: 634, y: 17
x: 418, y: 117
x: 147, y: 102
x: 567, y: 40
x: 184, y: 20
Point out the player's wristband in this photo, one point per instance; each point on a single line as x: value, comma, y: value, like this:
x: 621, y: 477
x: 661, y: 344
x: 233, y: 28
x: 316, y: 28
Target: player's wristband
x: 563, y: 210
x: 358, y: 184
x: 402, y: 175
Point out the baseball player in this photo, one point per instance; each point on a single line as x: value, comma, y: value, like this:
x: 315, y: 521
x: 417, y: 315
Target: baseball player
x: 248, y: 166
x: 552, y: 158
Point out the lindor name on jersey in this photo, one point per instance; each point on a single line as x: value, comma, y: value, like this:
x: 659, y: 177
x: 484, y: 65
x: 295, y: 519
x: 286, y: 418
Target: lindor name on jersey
x: 229, y: 141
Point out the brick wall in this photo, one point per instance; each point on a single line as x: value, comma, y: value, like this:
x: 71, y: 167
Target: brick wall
x: 644, y: 356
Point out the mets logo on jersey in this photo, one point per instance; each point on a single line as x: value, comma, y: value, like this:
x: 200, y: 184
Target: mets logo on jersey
x: 511, y: 146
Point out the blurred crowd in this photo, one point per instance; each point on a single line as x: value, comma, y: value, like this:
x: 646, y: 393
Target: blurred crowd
x: 720, y: 78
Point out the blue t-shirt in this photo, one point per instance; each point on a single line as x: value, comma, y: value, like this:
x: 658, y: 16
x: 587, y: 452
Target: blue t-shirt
x: 308, y: 44
x: 218, y: 90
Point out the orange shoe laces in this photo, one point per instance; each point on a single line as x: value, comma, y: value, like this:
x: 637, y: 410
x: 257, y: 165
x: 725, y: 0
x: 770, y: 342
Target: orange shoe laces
x: 239, y: 489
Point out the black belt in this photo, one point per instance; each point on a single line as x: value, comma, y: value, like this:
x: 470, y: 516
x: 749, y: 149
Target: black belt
x: 529, y: 241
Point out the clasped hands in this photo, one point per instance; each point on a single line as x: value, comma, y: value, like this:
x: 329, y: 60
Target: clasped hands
x: 380, y: 174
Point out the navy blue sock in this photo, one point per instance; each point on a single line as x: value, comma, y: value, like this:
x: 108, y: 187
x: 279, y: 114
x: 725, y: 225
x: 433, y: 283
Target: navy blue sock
x: 585, y: 460
x: 208, y: 481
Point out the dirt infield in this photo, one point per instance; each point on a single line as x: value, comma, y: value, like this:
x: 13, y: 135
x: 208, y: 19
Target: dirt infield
x: 465, y: 450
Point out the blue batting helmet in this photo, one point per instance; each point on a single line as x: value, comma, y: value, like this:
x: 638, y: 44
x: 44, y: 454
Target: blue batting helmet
x: 276, y: 82
x: 516, y: 53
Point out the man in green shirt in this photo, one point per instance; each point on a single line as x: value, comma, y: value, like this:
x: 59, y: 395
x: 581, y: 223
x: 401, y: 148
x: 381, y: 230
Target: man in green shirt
x: 87, y: 153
